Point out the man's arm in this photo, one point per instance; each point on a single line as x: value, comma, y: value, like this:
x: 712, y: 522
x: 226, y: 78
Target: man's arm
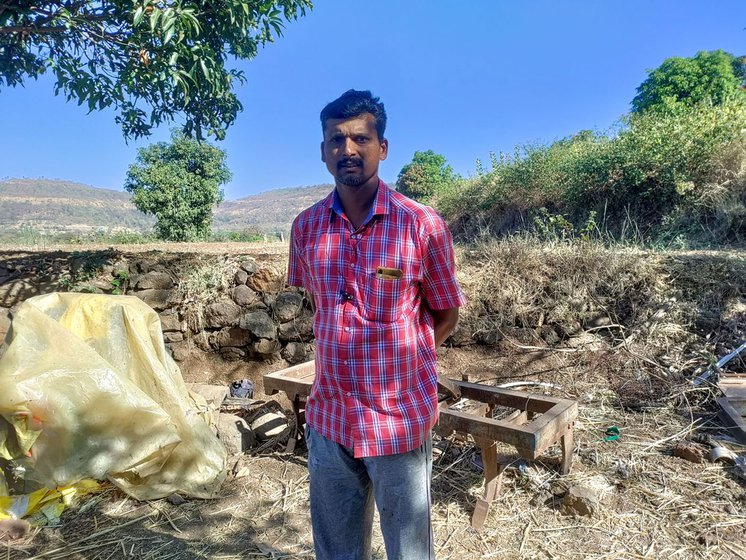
x: 444, y: 321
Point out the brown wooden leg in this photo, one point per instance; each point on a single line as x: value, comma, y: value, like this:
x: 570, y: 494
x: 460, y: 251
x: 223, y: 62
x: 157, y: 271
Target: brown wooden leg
x: 567, y: 446
x: 297, y: 434
x: 493, y: 476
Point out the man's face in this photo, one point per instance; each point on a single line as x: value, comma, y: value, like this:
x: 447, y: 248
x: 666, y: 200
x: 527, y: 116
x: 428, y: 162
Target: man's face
x: 352, y: 150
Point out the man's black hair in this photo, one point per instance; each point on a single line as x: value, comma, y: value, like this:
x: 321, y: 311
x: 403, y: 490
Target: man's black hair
x: 354, y: 103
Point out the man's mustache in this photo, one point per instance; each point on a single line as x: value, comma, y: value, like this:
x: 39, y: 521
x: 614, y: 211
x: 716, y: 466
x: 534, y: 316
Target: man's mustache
x: 349, y: 162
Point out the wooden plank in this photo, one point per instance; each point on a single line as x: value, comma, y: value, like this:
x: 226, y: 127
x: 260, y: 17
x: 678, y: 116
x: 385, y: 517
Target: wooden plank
x: 295, y: 380
x: 735, y: 423
x: 546, y: 429
x: 738, y: 404
x: 506, y: 397
x: 497, y: 430
x: 300, y: 371
x: 293, y: 387
x: 568, y: 443
x: 493, y: 475
x: 553, y: 424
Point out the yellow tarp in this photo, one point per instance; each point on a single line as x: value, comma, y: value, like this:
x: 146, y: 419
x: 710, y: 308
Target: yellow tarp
x: 87, y: 390
x: 44, y: 505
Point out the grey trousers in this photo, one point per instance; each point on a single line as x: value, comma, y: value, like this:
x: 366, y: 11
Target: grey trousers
x: 343, y: 491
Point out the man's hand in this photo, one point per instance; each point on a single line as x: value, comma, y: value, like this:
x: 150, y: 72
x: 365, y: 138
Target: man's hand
x: 444, y: 321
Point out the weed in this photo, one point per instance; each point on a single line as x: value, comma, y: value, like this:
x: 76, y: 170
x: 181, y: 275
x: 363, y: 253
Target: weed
x: 119, y: 282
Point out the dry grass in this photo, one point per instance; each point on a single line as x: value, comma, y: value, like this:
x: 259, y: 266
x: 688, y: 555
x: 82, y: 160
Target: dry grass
x: 655, y: 506
x: 631, y: 328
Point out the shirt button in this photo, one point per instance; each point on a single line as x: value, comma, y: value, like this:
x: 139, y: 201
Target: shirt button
x: 349, y: 394
x: 348, y: 330
x: 345, y: 362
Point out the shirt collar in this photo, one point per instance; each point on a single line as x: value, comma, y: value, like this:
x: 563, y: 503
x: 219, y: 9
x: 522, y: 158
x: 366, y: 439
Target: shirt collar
x: 380, y: 204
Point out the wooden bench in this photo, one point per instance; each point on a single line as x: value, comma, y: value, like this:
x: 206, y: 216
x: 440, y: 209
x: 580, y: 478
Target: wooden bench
x: 537, y: 423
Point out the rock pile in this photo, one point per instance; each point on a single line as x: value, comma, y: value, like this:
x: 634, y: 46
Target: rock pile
x: 244, y: 311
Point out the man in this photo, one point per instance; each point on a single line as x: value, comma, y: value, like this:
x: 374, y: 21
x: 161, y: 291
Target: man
x: 380, y: 270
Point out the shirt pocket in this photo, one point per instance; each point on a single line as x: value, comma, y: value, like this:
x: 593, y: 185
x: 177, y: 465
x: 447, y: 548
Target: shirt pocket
x: 384, y: 299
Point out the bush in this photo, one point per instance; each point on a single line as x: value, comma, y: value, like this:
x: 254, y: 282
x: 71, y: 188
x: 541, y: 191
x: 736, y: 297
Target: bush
x: 660, y: 170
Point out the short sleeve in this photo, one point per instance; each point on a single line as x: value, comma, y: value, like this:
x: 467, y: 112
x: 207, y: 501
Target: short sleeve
x: 440, y: 287
x: 297, y: 267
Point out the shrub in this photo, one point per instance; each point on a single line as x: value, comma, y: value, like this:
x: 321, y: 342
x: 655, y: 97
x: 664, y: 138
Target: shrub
x: 660, y: 170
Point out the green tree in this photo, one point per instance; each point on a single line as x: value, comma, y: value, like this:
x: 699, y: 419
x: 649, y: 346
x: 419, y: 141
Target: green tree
x: 428, y: 174
x: 149, y: 59
x: 179, y: 183
x: 708, y: 76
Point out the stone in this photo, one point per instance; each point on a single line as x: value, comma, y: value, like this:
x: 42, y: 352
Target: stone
x: 179, y: 351
x: 173, y: 337
x: 13, y: 529
x: 287, y: 306
x: 599, y: 321
x: 17, y: 290
x: 244, y: 296
x: 295, y: 352
x: 586, y: 498
x: 461, y: 336
x: 235, y: 433
x: 232, y: 336
x: 104, y: 286
x: 202, y: 341
x: 299, y: 330
x: 224, y: 313
x: 269, y: 425
x: 250, y: 266
x: 580, y: 500
x: 240, y: 277
x: 120, y: 269
x: 213, y: 394
x: 87, y: 288
x: 154, y: 281
x: 691, y: 451
x: 549, y: 334
x: 489, y: 336
x: 265, y: 280
x: 260, y: 324
x: 157, y: 299
x: 265, y: 346
x: 232, y: 353
x: 176, y: 500
x: 585, y: 341
x: 171, y: 323
x: 141, y: 267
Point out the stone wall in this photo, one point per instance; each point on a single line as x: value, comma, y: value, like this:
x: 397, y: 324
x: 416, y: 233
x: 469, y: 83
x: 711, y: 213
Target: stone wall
x: 236, y: 306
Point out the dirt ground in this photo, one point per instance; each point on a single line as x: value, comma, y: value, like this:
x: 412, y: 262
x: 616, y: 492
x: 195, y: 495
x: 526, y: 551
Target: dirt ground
x: 654, y: 505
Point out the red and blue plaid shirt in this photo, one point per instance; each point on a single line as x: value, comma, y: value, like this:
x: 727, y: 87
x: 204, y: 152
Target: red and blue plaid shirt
x: 375, y: 389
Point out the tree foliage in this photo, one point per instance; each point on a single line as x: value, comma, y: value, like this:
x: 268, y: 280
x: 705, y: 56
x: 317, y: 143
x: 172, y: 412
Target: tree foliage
x: 666, y: 174
x: 428, y: 174
x: 179, y: 183
x: 710, y: 76
x: 149, y: 59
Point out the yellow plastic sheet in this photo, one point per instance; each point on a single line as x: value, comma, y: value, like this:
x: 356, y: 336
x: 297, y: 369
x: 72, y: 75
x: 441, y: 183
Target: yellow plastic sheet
x: 87, y: 390
x: 44, y: 505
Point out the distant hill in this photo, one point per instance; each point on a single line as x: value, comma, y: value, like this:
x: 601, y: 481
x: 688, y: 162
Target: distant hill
x: 52, y: 205
x: 268, y: 211
x: 60, y: 206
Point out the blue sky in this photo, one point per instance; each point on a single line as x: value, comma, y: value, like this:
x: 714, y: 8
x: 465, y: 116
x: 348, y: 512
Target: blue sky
x: 461, y: 77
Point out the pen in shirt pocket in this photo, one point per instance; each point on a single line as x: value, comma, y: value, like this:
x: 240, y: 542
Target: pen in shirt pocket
x: 385, y: 273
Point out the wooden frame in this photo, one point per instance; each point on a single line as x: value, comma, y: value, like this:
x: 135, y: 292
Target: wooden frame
x: 539, y: 422
x: 733, y: 404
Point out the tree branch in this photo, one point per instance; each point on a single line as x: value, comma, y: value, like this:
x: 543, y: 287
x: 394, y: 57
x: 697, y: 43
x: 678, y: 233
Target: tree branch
x: 31, y: 30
